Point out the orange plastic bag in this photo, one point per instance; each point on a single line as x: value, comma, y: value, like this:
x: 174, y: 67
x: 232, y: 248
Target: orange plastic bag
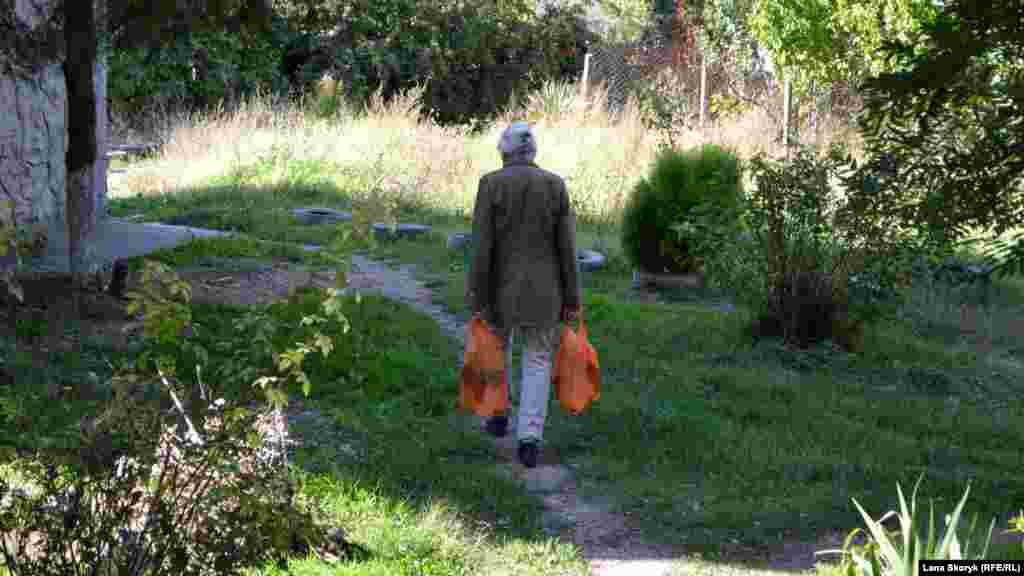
x: 484, y: 386
x: 577, y: 375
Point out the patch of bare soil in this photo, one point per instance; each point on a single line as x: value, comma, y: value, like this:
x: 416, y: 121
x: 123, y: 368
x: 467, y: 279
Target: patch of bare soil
x: 267, y: 284
x: 274, y: 281
x: 57, y: 304
x: 57, y: 314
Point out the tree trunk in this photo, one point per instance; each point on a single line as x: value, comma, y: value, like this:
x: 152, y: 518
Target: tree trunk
x: 81, y: 39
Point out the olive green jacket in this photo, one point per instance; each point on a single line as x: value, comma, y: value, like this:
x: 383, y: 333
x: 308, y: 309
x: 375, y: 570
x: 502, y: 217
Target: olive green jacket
x: 524, y: 271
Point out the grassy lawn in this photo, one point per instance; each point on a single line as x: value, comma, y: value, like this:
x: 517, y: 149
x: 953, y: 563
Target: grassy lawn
x: 732, y: 446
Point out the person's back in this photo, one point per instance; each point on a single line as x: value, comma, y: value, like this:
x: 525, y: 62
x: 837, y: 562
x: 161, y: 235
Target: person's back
x: 523, y: 278
x: 530, y: 227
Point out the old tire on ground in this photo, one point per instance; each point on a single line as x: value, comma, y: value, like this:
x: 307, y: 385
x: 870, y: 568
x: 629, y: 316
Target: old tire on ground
x: 387, y: 232
x: 458, y: 240
x: 590, y: 260
x: 315, y: 216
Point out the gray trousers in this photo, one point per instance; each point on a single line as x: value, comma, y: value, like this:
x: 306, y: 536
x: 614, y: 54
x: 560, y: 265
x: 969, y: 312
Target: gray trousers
x: 538, y: 346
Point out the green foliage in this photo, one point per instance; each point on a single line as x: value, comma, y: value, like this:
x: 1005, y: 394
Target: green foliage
x: 201, y: 489
x: 495, y: 50
x: 171, y: 337
x: 883, y: 554
x: 630, y: 17
x: 133, y: 23
x: 823, y: 41
x: 811, y: 270
x: 314, y: 333
x: 164, y: 301
x: 16, y: 243
x: 1017, y: 526
x: 945, y: 137
x: 726, y: 25
x: 725, y: 106
x: 147, y: 492
x: 228, y: 66
x: 329, y: 98
x: 472, y: 57
x: 678, y: 183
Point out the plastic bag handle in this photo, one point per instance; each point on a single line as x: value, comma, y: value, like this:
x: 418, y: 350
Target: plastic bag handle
x: 579, y: 319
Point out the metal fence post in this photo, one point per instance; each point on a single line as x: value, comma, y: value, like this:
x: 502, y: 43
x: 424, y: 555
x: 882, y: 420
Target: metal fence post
x: 787, y: 114
x: 703, y: 88
x: 586, y: 73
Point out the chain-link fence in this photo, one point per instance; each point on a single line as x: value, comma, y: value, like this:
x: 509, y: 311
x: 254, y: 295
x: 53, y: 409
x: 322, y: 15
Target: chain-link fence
x: 667, y: 58
x: 667, y: 61
x: 622, y: 67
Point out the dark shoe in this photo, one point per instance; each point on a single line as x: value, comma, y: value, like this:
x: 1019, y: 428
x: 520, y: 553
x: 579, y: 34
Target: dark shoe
x: 528, y: 452
x: 497, y: 426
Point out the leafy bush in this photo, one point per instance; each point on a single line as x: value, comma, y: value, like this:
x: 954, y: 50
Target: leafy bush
x: 227, y: 66
x: 798, y: 254
x: 472, y: 57
x: 142, y: 494
x: 883, y: 555
x: 16, y: 243
x: 680, y: 182
x: 151, y: 491
x: 952, y: 145
x: 169, y: 484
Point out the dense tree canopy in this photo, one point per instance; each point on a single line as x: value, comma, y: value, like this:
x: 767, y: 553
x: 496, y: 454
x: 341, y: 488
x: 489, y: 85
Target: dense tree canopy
x: 824, y: 41
x: 137, y: 22
x: 953, y: 121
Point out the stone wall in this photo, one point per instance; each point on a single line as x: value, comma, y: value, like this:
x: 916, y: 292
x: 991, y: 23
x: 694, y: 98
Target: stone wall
x: 33, y: 136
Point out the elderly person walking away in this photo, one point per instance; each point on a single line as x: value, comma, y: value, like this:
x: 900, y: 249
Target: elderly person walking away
x: 524, y: 279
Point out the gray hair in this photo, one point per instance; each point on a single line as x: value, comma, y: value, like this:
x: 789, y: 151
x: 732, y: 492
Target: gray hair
x: 517, y: 143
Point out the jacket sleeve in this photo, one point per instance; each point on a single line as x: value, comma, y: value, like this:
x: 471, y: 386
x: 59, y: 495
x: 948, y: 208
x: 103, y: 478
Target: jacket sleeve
x: 478, y: 276
x: 566, y: 230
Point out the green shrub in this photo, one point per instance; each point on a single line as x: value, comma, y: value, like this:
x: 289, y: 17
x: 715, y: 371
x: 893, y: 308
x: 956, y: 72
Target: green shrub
x: 228, y: 66
x: 680, y: 182
x: 150, y: 492
x: 472, y: 57
x: 796, y: 256
x: 181, y: 483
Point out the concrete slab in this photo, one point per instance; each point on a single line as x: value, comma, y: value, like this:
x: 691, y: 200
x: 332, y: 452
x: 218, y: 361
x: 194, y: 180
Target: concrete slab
x: 115, y: 239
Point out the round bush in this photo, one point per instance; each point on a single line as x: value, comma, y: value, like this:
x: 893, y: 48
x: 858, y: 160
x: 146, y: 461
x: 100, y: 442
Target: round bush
x: 678, y: 183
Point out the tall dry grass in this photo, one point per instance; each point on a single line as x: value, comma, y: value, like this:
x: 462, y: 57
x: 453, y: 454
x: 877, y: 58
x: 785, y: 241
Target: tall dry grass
x: 600, y: 155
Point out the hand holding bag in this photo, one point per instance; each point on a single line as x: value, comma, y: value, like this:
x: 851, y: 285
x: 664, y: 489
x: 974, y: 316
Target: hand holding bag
x: 484, y: 385
x: 577, y: 375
